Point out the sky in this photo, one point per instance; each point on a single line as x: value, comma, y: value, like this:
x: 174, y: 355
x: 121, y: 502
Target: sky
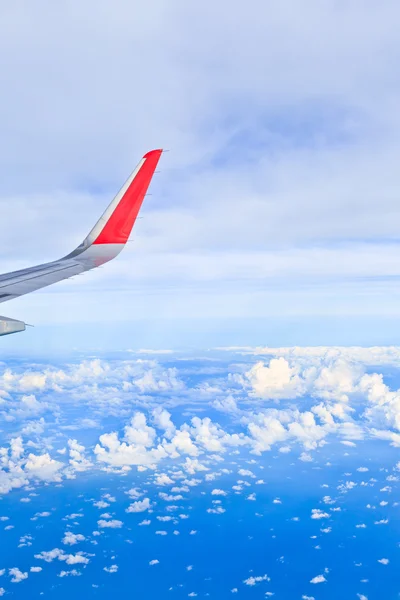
x: 215, y: 413
x: 277, y: 200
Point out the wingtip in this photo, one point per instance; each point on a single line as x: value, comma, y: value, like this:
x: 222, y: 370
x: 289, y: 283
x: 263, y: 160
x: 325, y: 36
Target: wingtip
x: 158, y: 152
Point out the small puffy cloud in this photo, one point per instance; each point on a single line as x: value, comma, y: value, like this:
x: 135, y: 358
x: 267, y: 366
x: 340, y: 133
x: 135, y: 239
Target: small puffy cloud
x: 139, y: 506
x: 163, y: 479
x: 246, y: 473
x: 383, y: 561
x: 305, y: 457
x: 251, y: 581
x: 193, y: 465
x: 70, y: 539
x: 57, y: 554
x: 316, y: 513
x: 16, y: 575
x: 216, y: 511
x: 318, y: 579
x: 218, y: 492
x: 101, y: 504
x: 154, y: 562
x: 111, y: 569
x: 112, y: 524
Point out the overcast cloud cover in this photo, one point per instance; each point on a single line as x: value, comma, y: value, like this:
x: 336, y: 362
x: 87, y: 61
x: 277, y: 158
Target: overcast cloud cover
x: 278, y: 198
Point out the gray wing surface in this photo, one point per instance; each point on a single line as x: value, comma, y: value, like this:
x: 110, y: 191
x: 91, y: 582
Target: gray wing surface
x: 105, y: 241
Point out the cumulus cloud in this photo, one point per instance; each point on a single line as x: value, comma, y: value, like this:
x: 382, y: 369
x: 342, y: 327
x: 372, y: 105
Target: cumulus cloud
x: 43, y: 467
x: 70, y: 573
x: 163, y: 479
x: 139, y: 506
x: 70, y: 539
x: 166, y: 381
x: 340, y: 400
x: 253, y: 580
x: 111, y: 569
x: 318, y: 579
x: 111, y: 524
x: 16, y: 575
x: 57, y: 554
x: 275, y: 381
x: 218, y: 492
x: 77, y: 460
x: 316, y: 513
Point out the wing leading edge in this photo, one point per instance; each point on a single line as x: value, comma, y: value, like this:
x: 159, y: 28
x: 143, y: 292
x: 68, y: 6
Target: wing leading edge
x: 104, y: 242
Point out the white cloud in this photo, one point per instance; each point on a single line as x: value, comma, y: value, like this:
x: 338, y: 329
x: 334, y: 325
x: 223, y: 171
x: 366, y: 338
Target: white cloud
x: 77, y: 458
x: 276, y: 381
x: 216, y: 511
x: 163, y: 479
x: 162, y: 420
x: 43, y: 467
x: 226, y: 405
x: 139, y: 506
x: 316, y: 513
x: 57, y: 554
x: 165, y: 381
x: 150, y: 436
x: 318, y: 579
x: 253, y: 580
x: 16, y: 575
x: 305, y: 457
x: 70, y: 539
x: 111, y: 524
x: 218, y: 492
x: 112, y: 569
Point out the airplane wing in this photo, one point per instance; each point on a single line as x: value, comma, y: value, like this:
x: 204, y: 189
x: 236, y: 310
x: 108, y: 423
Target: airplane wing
x: 104, y: 242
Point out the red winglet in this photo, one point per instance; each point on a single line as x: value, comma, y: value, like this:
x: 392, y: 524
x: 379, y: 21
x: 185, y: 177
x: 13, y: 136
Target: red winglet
x: 119, y: 226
